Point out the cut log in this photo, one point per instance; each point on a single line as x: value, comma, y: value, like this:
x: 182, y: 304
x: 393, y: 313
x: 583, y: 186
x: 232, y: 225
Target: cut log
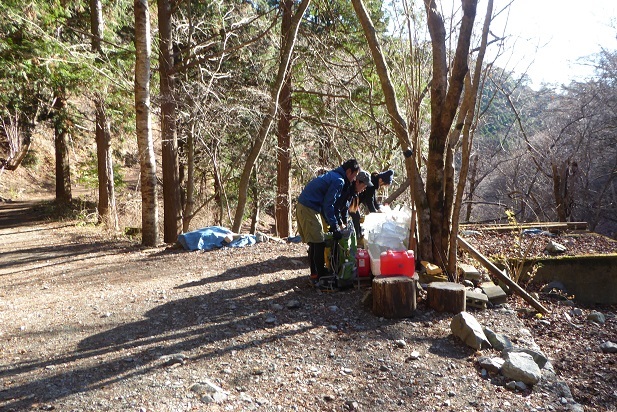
x: 394, y: 297
x: 446, y: 297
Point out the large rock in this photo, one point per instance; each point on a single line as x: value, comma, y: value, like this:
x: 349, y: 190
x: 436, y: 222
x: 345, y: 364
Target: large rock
x: 520, y: 366
x: 537, y: 356
x: 467, y: 328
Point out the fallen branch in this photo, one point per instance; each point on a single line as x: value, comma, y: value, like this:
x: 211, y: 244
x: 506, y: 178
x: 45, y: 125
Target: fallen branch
x: 501, y: 275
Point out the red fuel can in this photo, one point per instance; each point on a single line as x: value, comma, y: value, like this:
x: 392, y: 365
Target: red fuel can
x: 397, y: 263
x: 363, y: 263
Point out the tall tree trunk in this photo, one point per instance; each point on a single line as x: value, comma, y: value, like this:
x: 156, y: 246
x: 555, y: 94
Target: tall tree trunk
x: 96, y: 24
x: 472, y: 186
x: 400, y: 127
x: 282, y: 206
x: 172, y: 216
x: 147, y: 162
x: 105, y: 171
x: 285, y: 58
x: 256, y: 202
x: 61, y: 143
x: 189, y: 206
x: 465, y: 124
x: 445, y: 98
x: 107, y: 199
x: 560, y: 190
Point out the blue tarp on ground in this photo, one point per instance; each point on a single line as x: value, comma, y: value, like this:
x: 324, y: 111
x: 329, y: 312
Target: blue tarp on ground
x: 212, y: 237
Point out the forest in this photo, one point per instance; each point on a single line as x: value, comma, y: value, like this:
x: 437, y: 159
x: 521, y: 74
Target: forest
x: 226, y: 108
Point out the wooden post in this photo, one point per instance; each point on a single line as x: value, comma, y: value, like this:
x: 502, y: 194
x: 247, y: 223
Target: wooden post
x: 394, y: 297
x: 502, y: 276
x: 446, y: 297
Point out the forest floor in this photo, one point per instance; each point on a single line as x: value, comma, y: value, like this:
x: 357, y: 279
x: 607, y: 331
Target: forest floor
x: 90, y: 322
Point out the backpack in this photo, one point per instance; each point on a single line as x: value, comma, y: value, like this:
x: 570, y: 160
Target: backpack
x: 341, y: 258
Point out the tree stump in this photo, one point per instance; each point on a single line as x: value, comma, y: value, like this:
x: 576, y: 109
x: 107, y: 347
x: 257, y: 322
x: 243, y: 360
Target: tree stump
x: 394, y: 296
x: 446, y: 297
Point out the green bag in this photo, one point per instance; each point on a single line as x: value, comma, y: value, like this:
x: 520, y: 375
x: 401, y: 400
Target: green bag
x: 341, y: 257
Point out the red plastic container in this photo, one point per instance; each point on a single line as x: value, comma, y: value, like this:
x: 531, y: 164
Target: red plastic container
x: 363, y: 263
x: 397, y: 263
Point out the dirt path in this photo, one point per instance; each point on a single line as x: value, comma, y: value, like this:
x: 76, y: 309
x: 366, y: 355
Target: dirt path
x: 89, y: 323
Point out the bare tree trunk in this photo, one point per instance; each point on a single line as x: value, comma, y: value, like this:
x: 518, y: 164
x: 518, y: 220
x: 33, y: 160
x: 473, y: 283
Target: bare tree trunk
x: 472, y: 186
x: 147, y: 162
x: 61, y: 143
x: 18, y: 140
x: 445, y: 98
x: 560, y: 190
x: 256, y: 203
x: 400, y: 127
x: 466, y: 115
x: 105, y: 172
x: 282, y: 206
x: 190, y: 180
x: 285, y: 58
x: 107, y: 199
x: 96, y: 24
x: 172, y: 216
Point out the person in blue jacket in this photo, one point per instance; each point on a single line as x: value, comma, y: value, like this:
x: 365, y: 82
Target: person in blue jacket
x: 319, y: 198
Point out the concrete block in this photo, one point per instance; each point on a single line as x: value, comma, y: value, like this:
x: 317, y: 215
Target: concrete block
x: 469, y: 272
x: 476, y: 300
x: 495, y: 294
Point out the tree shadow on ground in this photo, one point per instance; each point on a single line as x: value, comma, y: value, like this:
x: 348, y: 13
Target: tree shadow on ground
x: 253, y: 269
x: 199, y: 323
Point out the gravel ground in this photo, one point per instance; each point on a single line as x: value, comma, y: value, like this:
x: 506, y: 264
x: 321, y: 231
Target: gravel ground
x: 89, y: 323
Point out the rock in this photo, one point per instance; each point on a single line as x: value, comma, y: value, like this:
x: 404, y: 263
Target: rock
x: 521, y: 367
x: 576, y: 312
x: 520, y: 386
x: 415, y: 355
x: 537, y: 356
x: 609, y: 347
x: 596, y: 317
x: 554, y: 286
x: 497, y: 340
x: 210, y: 391
x: 491, y: 364
x: 554, y: 248
x: 293, y: 304
x: 400, y: 343
x: 467, y: 328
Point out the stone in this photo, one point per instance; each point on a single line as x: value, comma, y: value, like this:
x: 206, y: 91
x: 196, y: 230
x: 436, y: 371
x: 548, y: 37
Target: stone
x: 554, y: 248
x: 521, y: 367
x: 495, y: 294
x: 210, y: 391
x: 467, y: 328
x: 596, y: 317
x: 491, y: 364
x: 469, y: 272
x: 498, y: 341
x: 609, y: 347
x: 476, y: 300
x: 537, y: 356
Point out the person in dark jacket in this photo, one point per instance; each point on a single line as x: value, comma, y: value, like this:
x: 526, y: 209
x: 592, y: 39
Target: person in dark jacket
x: 348, y: 202
x: 319, y: 198
x: 369, y: 199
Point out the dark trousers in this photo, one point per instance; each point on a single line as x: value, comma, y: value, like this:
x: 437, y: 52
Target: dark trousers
x: 317, y: 261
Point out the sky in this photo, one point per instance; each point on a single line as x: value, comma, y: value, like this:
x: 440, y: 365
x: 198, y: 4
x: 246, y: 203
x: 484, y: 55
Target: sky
x: 549, y: 36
